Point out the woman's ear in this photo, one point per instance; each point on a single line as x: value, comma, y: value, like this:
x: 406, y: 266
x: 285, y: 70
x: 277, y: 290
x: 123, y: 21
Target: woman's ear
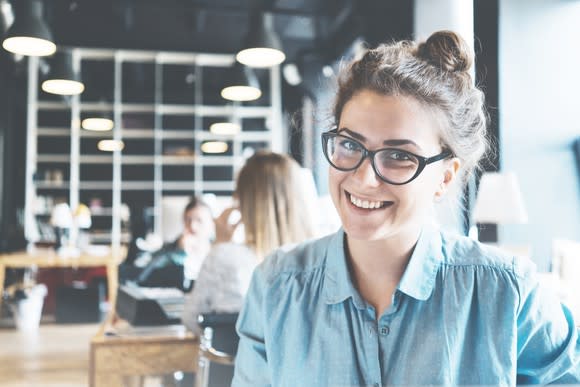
x: 449, y: 175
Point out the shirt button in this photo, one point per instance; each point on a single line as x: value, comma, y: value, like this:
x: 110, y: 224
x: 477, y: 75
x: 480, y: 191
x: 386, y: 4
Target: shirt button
x: 385, y: 330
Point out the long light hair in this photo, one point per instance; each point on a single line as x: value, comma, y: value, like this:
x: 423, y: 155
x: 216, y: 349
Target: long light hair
x: 270, y: 194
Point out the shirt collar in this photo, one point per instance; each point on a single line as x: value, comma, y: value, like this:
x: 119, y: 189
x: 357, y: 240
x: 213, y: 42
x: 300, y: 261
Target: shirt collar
x: 337, y: 282
x: 418, y: 280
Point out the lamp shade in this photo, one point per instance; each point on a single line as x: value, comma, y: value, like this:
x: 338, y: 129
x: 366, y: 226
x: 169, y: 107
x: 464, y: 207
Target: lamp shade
x: 82, y: 216
x: 61, y: 216
x: 98, y: 124
x: 225, y: 128
x: 499, y: 200
x: 214, y: 147
x: 63, y: 79
x: 263, y: 46
x: 110, y: 145
x: 243, y: 85
x: 29, y: 35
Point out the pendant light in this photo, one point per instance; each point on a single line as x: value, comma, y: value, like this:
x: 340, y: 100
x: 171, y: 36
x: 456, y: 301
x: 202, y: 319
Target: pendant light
x: 110, y: 145
x: 100, y: 122
x: 29, y: 35
x: 225, y: 128
x: 243, y: 85
x: 213, y: 147
x: 62, y: 78
x: 263, y: 47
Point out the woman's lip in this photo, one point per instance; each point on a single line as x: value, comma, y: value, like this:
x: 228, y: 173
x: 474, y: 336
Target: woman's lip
x: 384, y: 203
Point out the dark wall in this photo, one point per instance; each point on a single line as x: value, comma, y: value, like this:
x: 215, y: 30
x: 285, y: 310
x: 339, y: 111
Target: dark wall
x: 486, y: 33
x: 12, y: 143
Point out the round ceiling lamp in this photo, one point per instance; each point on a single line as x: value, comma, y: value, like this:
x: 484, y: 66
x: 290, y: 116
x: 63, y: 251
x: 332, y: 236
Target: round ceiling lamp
x: 62, y: 78
x: 225, y: 128
x: 263, y: 47
x: 243, y: 85
x: 214, y: 147
x: 29, y: 35
x: 98, y: 124
x: 110, y: 145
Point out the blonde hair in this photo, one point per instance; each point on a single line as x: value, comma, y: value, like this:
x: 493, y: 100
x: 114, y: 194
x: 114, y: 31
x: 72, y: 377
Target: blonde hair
x: 270, y: 196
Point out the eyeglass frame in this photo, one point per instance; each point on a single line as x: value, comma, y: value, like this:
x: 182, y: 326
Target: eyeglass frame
x: 370, y: 154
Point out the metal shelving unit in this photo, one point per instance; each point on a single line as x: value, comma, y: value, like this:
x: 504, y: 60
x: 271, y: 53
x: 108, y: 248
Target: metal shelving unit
x: 65, y: 148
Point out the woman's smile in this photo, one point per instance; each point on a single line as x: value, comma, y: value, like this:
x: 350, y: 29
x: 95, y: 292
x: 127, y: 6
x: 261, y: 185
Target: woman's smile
x: 366, y: 204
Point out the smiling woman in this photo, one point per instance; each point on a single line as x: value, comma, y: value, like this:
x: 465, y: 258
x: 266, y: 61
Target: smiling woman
x: 390, y: 299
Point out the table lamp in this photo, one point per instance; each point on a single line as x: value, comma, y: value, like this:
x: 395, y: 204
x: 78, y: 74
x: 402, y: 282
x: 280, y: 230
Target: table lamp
x: 82, y: 221
x: 61, y: 219
x: 499, y: 201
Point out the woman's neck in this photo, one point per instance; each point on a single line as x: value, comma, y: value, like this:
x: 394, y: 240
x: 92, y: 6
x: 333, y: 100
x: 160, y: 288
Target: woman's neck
x: 378, y: 266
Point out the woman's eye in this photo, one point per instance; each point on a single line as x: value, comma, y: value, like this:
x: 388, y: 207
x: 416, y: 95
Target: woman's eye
x: 348, y: 145
x: 399, y: 156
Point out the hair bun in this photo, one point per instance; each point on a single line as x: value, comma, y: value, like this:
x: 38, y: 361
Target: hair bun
x: 447, y: 50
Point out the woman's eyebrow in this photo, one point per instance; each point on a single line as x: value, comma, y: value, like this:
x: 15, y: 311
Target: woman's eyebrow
x: 393, y: 142
x: 399, y: 142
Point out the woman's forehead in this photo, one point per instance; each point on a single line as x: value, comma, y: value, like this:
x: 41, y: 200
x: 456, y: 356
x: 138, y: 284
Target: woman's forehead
x: 379, y: 117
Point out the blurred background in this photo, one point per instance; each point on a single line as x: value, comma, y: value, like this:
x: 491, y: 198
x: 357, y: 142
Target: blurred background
x: 155, y: 73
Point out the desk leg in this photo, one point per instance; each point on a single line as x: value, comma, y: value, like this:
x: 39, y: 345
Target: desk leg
x: 2, y: 276
x: 113, y: 284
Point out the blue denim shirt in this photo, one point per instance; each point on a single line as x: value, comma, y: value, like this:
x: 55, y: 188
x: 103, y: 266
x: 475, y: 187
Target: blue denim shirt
x: 463, y: 313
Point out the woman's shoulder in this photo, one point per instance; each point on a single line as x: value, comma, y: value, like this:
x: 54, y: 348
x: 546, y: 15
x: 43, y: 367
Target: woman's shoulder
x: 299, y: 258
x: 462, y: 251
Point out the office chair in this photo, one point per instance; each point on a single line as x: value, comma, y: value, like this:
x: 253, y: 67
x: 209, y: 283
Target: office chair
x: 218, y: 346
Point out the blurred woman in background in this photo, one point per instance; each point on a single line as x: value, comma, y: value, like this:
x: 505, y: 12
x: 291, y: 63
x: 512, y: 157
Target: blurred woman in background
x: 270, y: 199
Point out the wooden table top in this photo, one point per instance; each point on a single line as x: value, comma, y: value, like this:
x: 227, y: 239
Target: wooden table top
x: 45, y: 257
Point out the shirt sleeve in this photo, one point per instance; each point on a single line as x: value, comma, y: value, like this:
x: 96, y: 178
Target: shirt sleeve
x: 251, y: 368
x: 548, y: 340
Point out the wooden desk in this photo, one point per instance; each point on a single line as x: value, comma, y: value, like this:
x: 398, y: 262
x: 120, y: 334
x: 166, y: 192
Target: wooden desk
x: 119, y: 356
x: 48, y: 258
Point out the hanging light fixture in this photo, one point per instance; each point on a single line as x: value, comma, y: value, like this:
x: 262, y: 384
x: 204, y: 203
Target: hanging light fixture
x: 110, y: 145
x: 263, y: 46
x: 29, y: 35
x: 100, y: 122
x: 214, y: 147
x: 244, y: 85
x: 225, y: 128
x: 63, y: 79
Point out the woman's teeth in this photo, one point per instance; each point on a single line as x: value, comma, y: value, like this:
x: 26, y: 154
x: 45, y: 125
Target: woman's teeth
x: 365, y: 203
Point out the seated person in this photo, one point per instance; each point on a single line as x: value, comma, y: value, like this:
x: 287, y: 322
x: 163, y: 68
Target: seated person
x: 271, y: 200
x: 177, y: 264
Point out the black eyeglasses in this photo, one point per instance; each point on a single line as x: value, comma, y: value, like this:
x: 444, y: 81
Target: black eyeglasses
x: 392, y: 165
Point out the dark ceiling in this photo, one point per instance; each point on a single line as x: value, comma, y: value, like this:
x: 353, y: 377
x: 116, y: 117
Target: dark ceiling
x: 326, y: 26
x: 313, y: 32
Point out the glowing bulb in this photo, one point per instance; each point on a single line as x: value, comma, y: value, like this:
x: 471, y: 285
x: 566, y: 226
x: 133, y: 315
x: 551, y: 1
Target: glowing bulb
x: 214, y: 147
x: 63, y: 86
x: 225, y: 128
x: 97, y: 124
x: 241, y: 93
x: 25, y: 45
x: 110, y: 145
x: 260, y: 57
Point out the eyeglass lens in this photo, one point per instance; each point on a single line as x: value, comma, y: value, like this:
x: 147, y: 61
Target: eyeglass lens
x: 392, y: 164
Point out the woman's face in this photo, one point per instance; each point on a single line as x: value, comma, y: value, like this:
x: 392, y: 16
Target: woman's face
x: 378, y: 121
x: 198, y: 223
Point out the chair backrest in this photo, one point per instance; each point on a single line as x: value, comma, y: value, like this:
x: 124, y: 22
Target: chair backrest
x: 223, y: 325
x: 218, y: 347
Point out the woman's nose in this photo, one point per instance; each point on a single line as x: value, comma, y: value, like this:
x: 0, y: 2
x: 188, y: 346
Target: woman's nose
x: 366, y: 174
